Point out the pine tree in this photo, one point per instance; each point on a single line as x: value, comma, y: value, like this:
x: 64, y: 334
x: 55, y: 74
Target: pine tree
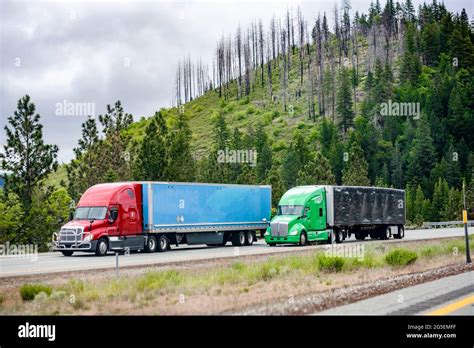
x: 453, y: 172
x: 264, y: 152
x: 274, y: 178
x: 86, y: 169
x: 344, y: 101
x: 422, y: 153
x: 113, y: 150
x: 453, y: 206
x: 26, y: 158
x: 440, y: 197
x: 152, y: 160
x: 181, y: 163
x: 316, y: 172
x: 418, y: 206
x: 356, y: 171
x: 410, y: 63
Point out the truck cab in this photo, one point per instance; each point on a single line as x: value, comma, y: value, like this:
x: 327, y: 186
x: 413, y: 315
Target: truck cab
x: 106, y: 216
x: 301, y: 217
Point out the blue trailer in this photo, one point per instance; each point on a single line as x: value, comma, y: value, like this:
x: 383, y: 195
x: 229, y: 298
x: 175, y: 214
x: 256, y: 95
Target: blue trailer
x: 211, y: 214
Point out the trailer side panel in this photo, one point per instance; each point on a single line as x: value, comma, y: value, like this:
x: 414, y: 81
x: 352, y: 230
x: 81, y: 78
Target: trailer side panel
x: 368, y: 206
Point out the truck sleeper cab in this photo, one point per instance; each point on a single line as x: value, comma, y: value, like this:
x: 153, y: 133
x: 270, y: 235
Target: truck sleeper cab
x: 333, y: 213
x: 151, y: 216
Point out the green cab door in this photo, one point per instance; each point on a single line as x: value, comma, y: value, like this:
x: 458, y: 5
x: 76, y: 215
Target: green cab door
x: 317, y: 211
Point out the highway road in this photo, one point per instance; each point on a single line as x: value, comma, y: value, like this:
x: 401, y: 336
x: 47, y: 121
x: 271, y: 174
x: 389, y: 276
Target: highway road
x: 56, y: 262
x: 452, y: 295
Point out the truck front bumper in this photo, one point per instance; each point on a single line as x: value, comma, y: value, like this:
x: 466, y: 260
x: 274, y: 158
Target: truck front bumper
x: 86, y: 246
x: 282, y: 240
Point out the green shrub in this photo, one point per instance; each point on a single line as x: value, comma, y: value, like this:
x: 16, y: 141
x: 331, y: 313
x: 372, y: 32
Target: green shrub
x: 240, y: 115
x: 330, y: 264
x: 400, y: 257
x: 29, y: 291
x: 245, y: 101
x: 250, y: 110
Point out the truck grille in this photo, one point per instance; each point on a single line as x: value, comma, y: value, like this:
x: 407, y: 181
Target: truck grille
x: 71, y: 235
x: 279, y: 229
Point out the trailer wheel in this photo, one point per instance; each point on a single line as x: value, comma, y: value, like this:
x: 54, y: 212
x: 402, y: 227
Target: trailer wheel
x: 400, y: 234
x: 303, y: 238
x: 238, y: 238
x: 151, y: 244
x: 360, y: 236
x: 385, y: 233
x: 339, y: 236
x: 249, y: 239
x: 102, y: 247
x: 67, y: 252
x: 163, y: 243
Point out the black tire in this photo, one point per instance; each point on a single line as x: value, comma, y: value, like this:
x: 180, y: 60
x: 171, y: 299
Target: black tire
x: 102, y: 247
x: 400, y: 234
x: 339, y: 236
x: 360, y: 236
x: 151, y: 244
x: 385, y: 233
x: 271, y: 244
x: 238, y: 238
x: 303, y: 239
x: 249, y: 238
x: 67, y: 252
x: 163, y: 243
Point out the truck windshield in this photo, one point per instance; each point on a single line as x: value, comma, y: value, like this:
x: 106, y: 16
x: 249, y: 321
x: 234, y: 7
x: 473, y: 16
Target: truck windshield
x: 290, y: 210
x: 90, y: 213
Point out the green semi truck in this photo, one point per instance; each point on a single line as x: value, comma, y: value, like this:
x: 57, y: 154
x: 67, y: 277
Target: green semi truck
x: 331, y: 214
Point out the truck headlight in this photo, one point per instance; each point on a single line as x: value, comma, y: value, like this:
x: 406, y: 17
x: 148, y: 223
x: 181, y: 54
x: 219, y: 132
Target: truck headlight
x: 294, y: 232
x: 88, y: 238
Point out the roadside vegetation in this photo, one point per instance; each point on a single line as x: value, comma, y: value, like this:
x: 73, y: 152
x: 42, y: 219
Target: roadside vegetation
x: 151, y: 288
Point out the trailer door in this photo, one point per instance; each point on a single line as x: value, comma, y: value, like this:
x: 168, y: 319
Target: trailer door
x: 317, y: 212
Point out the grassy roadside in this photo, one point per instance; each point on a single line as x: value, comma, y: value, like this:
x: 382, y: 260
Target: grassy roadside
x: 192, y: 291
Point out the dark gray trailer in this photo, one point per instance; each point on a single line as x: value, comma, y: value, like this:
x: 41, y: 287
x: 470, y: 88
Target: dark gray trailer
x: 377, y: 212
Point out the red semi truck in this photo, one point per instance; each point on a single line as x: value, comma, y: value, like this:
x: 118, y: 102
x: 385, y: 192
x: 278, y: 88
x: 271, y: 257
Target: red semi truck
x: 152, y: 215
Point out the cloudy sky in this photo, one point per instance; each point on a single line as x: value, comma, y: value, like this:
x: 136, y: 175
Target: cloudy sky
x: 98, y: 52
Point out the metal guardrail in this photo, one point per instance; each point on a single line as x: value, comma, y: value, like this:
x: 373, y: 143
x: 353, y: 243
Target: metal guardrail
x: 430, y: 224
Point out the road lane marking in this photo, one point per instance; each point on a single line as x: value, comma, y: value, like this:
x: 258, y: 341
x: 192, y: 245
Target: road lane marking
x: 452, y: 307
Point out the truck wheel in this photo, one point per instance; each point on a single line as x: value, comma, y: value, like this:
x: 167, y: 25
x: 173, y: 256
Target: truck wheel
x: 359, y: 236
x: 238, y: 238
x: 401, y: 233
x: 151, y: 244
x: 271, y: 244
x: 303, y: 238
x: 102, y: 247
x: 385, y: 233
x: 163, y: 243
x: 67, y: 252
x: 249, y: 239
x: 339, y: 236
